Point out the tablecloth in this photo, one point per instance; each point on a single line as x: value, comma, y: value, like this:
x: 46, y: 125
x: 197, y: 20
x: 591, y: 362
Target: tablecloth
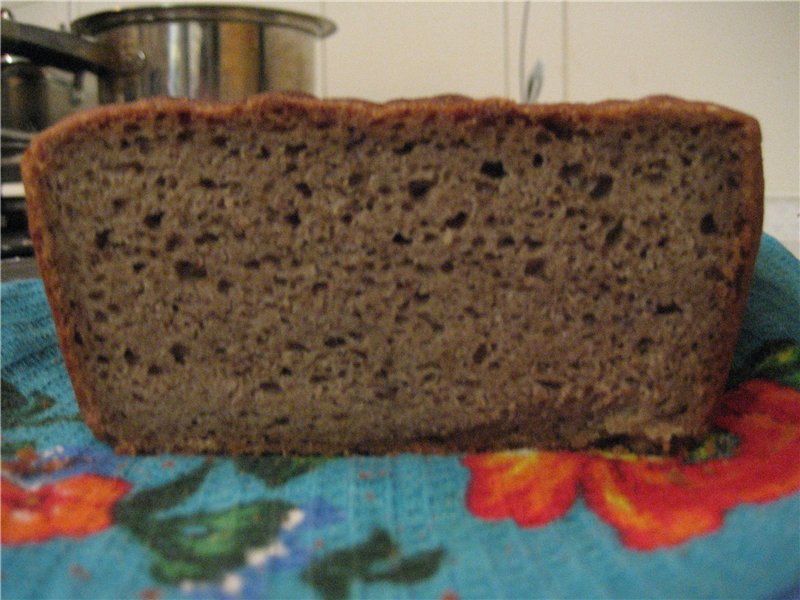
x: 723, y: 520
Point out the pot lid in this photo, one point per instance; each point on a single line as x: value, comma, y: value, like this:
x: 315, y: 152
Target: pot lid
x: 103, y: 21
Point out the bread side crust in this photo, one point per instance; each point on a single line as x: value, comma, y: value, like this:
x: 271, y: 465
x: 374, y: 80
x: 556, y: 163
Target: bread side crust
x: 37, y: 157
x: 33, y: 166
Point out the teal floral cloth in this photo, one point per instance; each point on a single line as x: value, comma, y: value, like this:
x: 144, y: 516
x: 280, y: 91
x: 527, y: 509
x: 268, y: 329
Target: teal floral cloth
x: 722, y: 520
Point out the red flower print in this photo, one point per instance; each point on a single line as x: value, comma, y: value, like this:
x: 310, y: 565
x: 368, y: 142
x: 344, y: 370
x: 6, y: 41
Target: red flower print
x: 653, y: 502
x: 533, y: 488
x: 73, y: 507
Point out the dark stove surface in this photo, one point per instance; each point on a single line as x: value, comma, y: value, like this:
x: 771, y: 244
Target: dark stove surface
x: 12, y: 269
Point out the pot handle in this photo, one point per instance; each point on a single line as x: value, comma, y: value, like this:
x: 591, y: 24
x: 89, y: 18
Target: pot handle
x: 66, y: 51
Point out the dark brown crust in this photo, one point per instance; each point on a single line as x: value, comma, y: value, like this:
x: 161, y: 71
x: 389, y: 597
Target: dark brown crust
x: 37, y: 157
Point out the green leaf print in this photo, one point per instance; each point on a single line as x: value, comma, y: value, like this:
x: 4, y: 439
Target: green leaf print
x: 201, y: 546
x: 414, y: 568
x: 376, y: 559
x: 205, y: 546
x: 778, y: 361
x: 136, y: 511
x: 18, y: 409
x: 277, y: 470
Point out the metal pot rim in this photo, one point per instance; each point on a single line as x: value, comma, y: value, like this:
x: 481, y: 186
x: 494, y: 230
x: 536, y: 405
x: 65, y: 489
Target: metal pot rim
x: 99, y: 22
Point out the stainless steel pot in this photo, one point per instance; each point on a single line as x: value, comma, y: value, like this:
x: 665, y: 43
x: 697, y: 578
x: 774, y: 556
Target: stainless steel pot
x: 213, y: 52
x: 33, y: 97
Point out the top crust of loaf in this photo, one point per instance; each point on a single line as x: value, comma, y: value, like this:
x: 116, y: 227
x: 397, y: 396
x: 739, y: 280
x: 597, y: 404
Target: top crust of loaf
x: 461, y: 107
x: 560, y: 119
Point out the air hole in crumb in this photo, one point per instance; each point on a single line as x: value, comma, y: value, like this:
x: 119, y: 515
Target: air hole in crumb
x: 493, y: 168
x: 400, y: 239
x: 707, y: 224
x: 173, y: 242
x: 286, y: 372
x: 100, y: 316
x: 456, y: 221
x: 220, y: 141
x: 355, y: 179
x: 270, y: 386
x: 355, y: 142
x: 318, y: 287
x: 668, y: 309
x: 572, y: 174
x: 179, y: 353
x: 561, y: 128
x: 538, y: 161
x: 102, y: 359
x: 188, y: 270
x: 335, y: 342
x: 304, y: 189
x: 296, y: 347
x: 153, y: 221
x: 154, y: 370
x: 405, y: 148
x: 293, y: 219
x: 143, y: 143
x: 131, y: 357
x: 346, y: 218
x: 602, y: 187
x: 421, y: 297
x: 589, y: 319
x: 264, y: 153
x: 505, y: 242
x: 613, y: 234
x: 534, y: 267
x: 417, y: 188
x: 119, y: 204
x: 224, y: 286
x: 531, y: 243
x: 253, y: 263
x: 447, y: 266
x: 185, y: 135
x: 480, y: 354
x: 101, y: 238
x: 295, y: 149
x: 643, y: 345
x: 549, y: 384
x: 206, y: 238
x: 138, y: 266
x: 207, y: 183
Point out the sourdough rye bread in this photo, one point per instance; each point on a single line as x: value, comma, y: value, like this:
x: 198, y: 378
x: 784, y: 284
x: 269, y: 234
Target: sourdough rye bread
x: 296, y: 275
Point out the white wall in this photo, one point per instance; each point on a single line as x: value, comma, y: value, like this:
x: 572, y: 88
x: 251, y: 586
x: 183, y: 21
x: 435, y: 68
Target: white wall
x: 743, y: 54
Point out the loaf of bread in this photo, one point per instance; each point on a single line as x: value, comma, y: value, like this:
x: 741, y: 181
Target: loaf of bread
x: 301, y: 276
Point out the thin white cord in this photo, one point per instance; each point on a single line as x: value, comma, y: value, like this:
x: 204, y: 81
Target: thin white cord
x: 523, y: 43
x: 531, y: 86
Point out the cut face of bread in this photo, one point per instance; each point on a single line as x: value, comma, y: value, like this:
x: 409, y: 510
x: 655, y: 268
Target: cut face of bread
x: 304, y: 276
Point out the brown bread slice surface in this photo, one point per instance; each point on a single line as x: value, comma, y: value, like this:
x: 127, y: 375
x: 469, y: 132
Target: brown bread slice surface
x: 304, y: 276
